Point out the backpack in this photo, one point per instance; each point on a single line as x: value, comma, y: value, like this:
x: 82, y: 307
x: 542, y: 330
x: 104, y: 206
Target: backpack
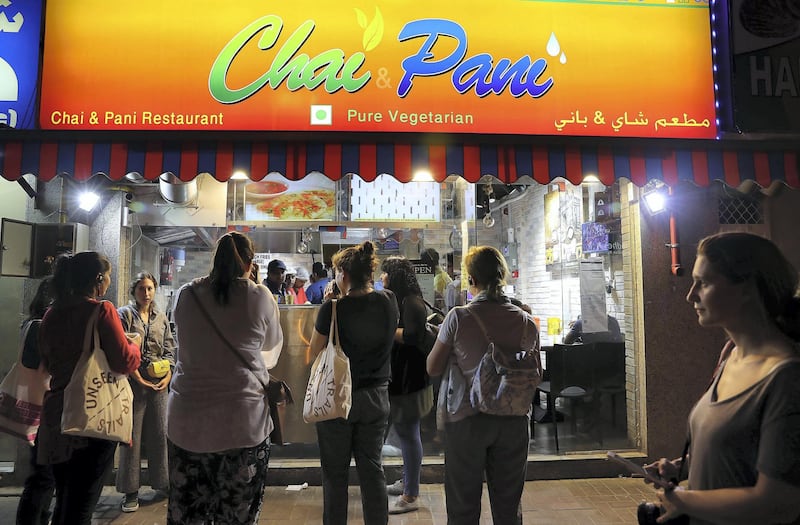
x: 505, y: 380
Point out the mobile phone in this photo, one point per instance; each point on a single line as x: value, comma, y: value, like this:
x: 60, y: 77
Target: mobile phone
x: 640, y: 471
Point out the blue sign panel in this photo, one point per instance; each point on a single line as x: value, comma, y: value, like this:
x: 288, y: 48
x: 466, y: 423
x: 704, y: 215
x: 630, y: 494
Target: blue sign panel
x: 20, y: 29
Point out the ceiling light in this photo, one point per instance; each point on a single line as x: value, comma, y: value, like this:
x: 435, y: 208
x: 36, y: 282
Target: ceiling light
x: 422, y: 176
x: 239, y: 175
x: 88, y: 200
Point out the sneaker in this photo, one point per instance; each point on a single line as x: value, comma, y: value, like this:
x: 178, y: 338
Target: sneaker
x: 396, y: 488
x: 401, y: 505
x: 131, y: 502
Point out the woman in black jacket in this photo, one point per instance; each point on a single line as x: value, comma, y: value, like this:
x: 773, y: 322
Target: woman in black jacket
x: 410, y: 392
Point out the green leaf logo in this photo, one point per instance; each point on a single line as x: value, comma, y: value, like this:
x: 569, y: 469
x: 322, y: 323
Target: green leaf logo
x: 362, y: 18
x: 373, y: 32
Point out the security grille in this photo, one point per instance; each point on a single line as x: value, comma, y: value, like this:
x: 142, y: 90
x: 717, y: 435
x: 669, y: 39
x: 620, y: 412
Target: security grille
x: 740, y: 210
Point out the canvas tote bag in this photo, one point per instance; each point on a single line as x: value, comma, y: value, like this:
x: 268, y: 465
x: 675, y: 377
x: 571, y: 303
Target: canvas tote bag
x: 98, y: 402
x: 21, y: 396
x: 330, y: 388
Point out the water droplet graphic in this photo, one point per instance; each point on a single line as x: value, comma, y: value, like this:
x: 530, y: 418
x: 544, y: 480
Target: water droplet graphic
x: 553, y: 47
x: 563, y: 58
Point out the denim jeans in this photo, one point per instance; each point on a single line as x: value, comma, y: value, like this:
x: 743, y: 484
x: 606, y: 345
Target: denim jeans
x: 79, y: 482
x: 496, y: 445
x: 411, y: 447
x: 359, y: 436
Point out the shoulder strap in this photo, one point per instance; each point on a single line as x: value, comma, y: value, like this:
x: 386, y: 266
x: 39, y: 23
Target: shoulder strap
x: 222, y: 336
x: 91, y: 333
x: 480, y: 324
x: 486, y: 333
x: 433, y: 308
x: 334, y: 329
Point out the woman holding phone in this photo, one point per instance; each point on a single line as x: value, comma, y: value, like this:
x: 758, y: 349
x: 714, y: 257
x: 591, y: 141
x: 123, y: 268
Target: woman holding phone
x: 744, y: 457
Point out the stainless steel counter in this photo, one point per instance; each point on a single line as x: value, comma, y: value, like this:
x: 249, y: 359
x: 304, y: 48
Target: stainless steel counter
x: 294, y: 367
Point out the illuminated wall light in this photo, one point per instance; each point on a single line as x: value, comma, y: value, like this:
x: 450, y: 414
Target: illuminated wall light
x: 88, y: 200
x: 591, y: 178
x: 239, y: 175
x: 655, y: 201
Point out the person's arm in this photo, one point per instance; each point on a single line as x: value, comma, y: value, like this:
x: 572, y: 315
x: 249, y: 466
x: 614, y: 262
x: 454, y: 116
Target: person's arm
x: 123, y: 355
x: 414, y: 318
x: 30, y: 350
x: 319, y: 340
x: 769, y: 501
x: 273, y: 342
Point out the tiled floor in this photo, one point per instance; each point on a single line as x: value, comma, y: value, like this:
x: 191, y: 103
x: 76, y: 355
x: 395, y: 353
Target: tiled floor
x: 560, y: 502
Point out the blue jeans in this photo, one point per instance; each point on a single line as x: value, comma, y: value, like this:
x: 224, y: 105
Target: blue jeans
x: 496, y: 445
x: 411, y: 448
x: 359, y: 436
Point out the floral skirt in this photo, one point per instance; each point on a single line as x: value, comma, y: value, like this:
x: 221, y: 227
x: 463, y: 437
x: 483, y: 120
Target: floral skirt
x: 219, y: 487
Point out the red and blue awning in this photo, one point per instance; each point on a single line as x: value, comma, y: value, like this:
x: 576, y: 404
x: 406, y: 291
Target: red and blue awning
x: 294, y: 160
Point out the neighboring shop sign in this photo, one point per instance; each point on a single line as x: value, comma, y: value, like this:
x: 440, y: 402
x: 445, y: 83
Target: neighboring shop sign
x: 766, y: 69
x: 20, y: 29
x: 568, y: 67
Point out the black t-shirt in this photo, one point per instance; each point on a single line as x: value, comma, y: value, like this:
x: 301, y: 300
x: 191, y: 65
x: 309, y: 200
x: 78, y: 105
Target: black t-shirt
x: 367, y: 325
x: 408, y: 360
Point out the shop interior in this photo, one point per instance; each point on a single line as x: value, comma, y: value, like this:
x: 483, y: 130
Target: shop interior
x: 564, y: 246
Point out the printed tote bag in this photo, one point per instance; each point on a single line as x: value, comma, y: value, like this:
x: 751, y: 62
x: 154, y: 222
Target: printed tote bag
x: 98, y: 402
x: 330, y: 388
x: 21, y: 396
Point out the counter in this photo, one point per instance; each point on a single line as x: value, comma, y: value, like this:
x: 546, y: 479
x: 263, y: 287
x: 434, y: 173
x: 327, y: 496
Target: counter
x: 294, y: 367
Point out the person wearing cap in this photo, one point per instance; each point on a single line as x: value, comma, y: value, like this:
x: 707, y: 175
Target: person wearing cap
x: 276, y: 271
x: 297, y: 289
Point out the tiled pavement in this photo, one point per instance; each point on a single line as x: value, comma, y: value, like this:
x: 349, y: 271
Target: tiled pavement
x: 559, y: 502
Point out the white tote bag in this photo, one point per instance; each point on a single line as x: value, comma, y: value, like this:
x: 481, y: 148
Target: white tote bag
x: 21, y: 396
x: 330, y: 388
x: 98, y: 402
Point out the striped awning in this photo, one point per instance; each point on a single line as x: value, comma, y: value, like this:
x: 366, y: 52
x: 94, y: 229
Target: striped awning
x: 294, y: 160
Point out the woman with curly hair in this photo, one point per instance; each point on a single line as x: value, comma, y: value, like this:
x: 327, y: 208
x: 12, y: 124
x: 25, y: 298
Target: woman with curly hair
x: 410, y: 392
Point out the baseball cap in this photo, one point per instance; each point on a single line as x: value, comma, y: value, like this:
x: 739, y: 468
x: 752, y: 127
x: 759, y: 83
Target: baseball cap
x: 276, y: 264
x: 301, y: 273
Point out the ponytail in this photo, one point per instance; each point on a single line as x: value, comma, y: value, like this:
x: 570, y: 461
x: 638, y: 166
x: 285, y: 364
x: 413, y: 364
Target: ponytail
x: 232, y: 256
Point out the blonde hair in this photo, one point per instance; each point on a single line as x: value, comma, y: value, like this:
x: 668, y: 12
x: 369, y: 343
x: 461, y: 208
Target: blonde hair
x: 488, y: 266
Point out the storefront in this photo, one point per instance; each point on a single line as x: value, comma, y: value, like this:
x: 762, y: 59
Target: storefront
x: 408, y: 123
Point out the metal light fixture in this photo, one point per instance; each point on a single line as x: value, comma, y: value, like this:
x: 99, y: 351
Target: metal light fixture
x: 654, y: 194
x: 305, y: 241
x: 88, y: 200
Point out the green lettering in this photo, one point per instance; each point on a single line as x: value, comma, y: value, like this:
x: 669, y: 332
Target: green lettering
x: 298, y: 70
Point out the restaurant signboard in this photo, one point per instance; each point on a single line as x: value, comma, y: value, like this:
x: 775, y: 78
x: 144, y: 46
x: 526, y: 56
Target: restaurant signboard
x: 569, y: 67
x: 20, y: 32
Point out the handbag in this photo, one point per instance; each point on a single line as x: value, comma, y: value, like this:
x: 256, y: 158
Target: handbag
x: 21, y: 396
x: 98, y: 402
x: 158, y: 369
x: 329, y: 394
x: 276, y: 391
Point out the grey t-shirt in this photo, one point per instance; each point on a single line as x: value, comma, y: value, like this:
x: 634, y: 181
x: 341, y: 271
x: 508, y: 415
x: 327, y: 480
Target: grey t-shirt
x: 755, y: 431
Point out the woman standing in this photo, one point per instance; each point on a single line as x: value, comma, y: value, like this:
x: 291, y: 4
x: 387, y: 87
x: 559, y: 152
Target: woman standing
x: 217, y: 414
x: 34, y: 504
x: 79, y: 463
x: 367, y: 320
x: 744, y: 458
x: 410, y: 392
x: 478, y: 443
x: 149, y: 393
